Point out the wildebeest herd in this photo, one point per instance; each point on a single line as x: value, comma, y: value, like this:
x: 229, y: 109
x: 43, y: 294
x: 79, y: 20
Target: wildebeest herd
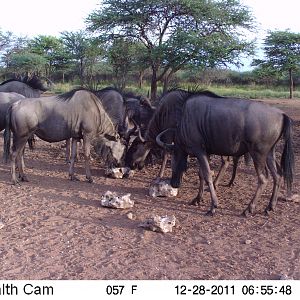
x: 124, y: 129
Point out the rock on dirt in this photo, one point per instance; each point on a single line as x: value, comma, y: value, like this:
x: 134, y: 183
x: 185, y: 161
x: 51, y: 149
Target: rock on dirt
x: 119, y: 173
x: 160, y: 224
x: 111, y: 199
x: 162, y: 188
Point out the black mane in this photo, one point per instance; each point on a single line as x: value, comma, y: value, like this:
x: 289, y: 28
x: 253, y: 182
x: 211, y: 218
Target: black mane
x: 34, y: 82
x: 68, y: 95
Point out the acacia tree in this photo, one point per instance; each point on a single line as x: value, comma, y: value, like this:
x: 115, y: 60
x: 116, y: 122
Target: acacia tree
x: 282, y: 52
x: 176, y: 32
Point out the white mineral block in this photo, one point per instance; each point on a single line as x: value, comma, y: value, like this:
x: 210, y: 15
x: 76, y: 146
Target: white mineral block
x: 119, y: 172
x: 160, y: 224
x: 162, y: 188
x: 111, y: 199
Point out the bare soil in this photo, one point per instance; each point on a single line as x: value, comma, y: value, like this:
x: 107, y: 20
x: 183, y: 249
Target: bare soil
x: 56, y: 229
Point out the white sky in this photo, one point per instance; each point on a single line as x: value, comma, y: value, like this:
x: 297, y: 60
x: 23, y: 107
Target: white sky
x: 34, y: 17
x: 44, y: 17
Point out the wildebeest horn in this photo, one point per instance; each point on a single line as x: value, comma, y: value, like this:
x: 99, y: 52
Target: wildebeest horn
x: 166, y: 146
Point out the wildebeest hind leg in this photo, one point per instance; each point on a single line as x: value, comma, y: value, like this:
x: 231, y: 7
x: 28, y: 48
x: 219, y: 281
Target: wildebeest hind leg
x: 17, y: 151
x: 259, y: 163
x: 73, y: 158
x: 87, y: 153
x: 198, y: 198
x: 21, y: 165
x: 224, y: 166
x: 271, y: 162
x: 206, y: 172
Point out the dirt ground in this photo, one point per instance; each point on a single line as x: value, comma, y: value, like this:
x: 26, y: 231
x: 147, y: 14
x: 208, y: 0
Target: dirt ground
x: 56, y: 229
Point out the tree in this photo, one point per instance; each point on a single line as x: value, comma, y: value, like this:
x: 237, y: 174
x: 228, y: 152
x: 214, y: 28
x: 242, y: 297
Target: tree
x: 176, y: 32
x: 27, y: 63
x: 282, y: 54
x: 51, y: 48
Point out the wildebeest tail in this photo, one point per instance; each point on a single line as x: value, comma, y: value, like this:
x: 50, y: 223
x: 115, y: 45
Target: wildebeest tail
x: 7, y: 136
x: 287, y: 158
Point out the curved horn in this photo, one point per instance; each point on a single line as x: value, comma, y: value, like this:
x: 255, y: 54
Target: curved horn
x: 166, y: 146
x: 136, y: 126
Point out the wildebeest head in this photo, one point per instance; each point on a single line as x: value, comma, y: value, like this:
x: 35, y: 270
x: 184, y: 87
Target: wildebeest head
x: 137, y: 154
x: 110, y: 150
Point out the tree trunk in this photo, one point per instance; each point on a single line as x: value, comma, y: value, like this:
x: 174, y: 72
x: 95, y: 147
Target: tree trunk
x: 141, y: 78
x: 153, y: 84
x: 291, y: 84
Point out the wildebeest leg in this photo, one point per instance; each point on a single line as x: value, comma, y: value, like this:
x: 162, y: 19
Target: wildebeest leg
x: 17, y: 151
x: 21, y: 165
x: 163, y: 165
x: 198, y: 198
x: 235, y: 165
x: 271, y: 162
x: 206, y: 172
x: 87, y: 154
x: 73, y: 158
x: 259, y: 164
x: 68, y: 150
x: 224, y: 166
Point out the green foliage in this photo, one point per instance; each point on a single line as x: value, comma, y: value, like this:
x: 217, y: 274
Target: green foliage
x: 175, y: 33
x: 26, y: 62
x: 282, y: 52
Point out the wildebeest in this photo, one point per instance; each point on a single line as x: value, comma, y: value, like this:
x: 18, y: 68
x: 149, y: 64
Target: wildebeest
x: 6, y: 100
x: 78, y: 114
x: 231, y: 127
x: 29, y: 87
x: 165, y: 116
x: 115, y: 105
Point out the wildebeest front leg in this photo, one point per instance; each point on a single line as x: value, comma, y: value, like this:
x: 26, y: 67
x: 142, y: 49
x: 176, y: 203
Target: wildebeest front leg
x: 163, y: 165
x: 73, y: 158
x: 87, y: 154
x: 206, y: 172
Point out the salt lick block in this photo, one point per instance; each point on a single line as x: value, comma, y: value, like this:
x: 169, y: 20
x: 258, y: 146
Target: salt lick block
x: 119, y: 172
x: 162, y: 188
x: 159, y: 224
x: 111, y: 199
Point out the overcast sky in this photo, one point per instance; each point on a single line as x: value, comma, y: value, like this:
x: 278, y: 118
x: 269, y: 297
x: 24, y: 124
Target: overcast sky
x: 34, y: 17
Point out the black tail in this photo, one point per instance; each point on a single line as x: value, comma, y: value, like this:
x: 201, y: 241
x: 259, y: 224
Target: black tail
x: 7, y: 136
x: 287, y: 159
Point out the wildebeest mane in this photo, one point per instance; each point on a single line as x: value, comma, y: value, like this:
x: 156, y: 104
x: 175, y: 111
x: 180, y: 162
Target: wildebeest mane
x: 34, y: 82
x: 68, y: 95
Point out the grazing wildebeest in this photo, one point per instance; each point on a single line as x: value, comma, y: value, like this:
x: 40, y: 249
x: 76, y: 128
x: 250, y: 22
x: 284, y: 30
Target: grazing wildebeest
x: 165, y: 116
x: 78, y: 114
x: 28, y: 87
x: 115, y: 105
x: 231, y: 127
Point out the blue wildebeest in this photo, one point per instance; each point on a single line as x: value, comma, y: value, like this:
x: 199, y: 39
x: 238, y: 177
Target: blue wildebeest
x: 78, y: 114
x: 165, y: 116
x: 6, y: 100
x: 28, y: 87
x: 231, y: 127
x: 115, y: 106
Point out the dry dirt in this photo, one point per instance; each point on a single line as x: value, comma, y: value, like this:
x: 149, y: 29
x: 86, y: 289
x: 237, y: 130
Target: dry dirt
x: 56, y: 229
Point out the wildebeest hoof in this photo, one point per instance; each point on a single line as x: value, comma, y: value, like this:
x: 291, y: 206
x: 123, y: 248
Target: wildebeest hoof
x: 89, y: 180
x: 210, y: 213
x: 73, y: 178
x: 195, y: 202
x: 23, y: 178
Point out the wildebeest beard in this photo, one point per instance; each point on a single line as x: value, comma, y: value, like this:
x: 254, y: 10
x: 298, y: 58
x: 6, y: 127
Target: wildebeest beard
x: 111, y: 152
